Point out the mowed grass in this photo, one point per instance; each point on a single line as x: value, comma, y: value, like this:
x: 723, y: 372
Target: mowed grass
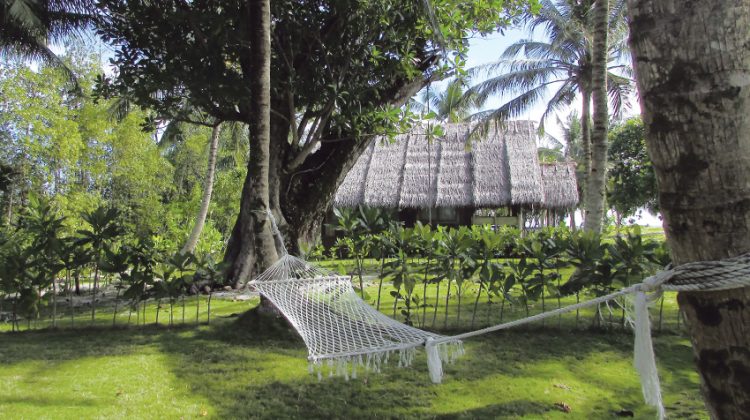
x: 222, y: 371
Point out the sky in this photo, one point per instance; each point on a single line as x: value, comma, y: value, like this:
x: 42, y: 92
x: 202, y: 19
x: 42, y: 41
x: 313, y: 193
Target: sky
x: 483, y: 50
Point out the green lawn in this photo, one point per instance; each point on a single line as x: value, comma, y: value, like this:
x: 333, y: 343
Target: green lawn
x: 221, y: 371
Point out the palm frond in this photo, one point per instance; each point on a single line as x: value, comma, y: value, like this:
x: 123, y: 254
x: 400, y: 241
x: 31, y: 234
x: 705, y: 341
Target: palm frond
x: 562, y: 98
x: 521, y: 80
x: 513, y: 108
x: 619, y: 90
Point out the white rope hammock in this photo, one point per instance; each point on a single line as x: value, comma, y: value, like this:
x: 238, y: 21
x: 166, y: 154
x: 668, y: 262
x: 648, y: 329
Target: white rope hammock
x: 344, y: 332
x: 336, y: 325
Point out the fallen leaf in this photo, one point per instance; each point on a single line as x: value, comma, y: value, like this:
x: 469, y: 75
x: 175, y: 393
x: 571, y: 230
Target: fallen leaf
x: 563, y: 407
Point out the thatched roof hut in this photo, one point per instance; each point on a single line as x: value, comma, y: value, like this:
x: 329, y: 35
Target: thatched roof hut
x: 499, y: 170
x: 560, y: 186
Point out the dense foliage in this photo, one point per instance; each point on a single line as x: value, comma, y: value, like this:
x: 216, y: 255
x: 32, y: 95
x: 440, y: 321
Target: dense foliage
x: 632, y: 181
x: 87, y: 199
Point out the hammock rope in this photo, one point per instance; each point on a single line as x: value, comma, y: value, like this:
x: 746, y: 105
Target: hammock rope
x: 344, y: 332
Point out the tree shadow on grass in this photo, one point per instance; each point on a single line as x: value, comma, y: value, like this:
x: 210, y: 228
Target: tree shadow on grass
x: 264, y: 376
x: 246, y: 374
x: 70, y: 344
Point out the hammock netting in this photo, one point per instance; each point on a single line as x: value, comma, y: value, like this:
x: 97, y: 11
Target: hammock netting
x: 339, y: 329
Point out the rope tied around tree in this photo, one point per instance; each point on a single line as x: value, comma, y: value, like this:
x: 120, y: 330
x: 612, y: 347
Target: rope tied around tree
x: 725, y: 274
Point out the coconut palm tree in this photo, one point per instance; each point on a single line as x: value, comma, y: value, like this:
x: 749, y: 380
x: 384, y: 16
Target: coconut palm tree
x: 200, y: 220
x: 449, y: 105
x: 597, y: 172
x: 27, y: 27
x: 530, y: 69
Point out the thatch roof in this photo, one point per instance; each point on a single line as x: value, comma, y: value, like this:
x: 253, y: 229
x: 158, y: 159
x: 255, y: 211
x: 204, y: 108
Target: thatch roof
x: 560, y: 186
x: 383, y: 180
x: 498, y: 170
x: 454, y: 184
x: 420, y: 177
x: 352, y: 191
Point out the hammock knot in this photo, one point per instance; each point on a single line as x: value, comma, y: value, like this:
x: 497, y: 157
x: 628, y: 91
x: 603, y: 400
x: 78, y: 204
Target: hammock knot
x: 655, y: 282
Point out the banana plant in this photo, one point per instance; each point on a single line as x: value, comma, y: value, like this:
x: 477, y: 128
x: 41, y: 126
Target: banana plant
x: 425, y: 239
x: 521, y: 273
x: 183, y: 267
x: 73, y: 259
x: 211, y: 271
x: 116, y: 263
x: 382, y: 249
x: 103, y: 229
x: 42, y: 223
x: 584, y: 251
x: 541, y: 250
x: 629, y: 253
x: 16, y: 277
x: 143, y: 259
x: 402, y: 274
x: 488, y: 245
x: 457, y: 261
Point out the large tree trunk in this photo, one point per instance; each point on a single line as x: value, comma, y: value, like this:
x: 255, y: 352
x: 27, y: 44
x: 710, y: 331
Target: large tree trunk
x: 208, y: 186
x: 596, y: 177
x: 308, y: 193
x: 251, y: 245
x: 693, y: 68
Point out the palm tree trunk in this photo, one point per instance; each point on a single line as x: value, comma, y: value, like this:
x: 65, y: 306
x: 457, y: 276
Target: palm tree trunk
x: 692, y: 70
x: 594, y: 193
x: 208, y: 186
x: 251, y: 243
x: 585, y: 136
